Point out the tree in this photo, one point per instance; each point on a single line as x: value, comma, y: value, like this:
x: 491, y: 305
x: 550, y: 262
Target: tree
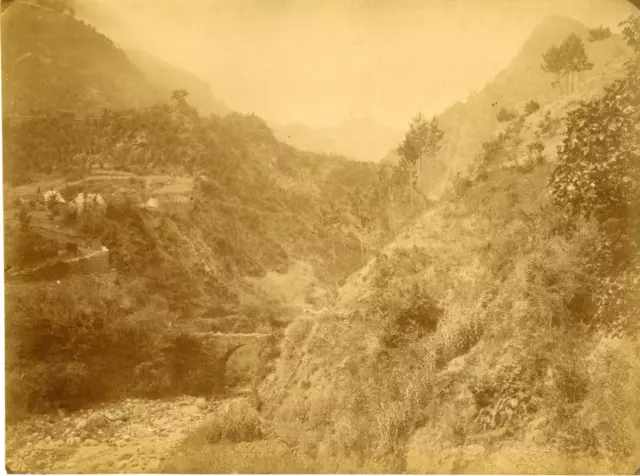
x: 360, y: 204
x: 631, y: 31
x: 421, y: 141
x: 24, y: 219
x: 598, y: 171
x: 566, y: 60
x: 330, y: 223
x: 599, y: 34
x: 179, y: 97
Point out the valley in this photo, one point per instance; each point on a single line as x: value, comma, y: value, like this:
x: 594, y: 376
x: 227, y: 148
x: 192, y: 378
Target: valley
x: 190, y: 289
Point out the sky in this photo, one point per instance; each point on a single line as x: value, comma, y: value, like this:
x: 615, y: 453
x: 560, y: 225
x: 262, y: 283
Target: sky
x: 321, y: 62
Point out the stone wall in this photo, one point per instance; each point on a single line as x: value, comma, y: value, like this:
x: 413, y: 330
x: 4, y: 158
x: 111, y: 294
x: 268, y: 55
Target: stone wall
x: 93, y: 262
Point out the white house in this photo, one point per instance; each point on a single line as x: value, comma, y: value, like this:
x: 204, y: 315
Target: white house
x: 53, y: 196
x: 88, y: 201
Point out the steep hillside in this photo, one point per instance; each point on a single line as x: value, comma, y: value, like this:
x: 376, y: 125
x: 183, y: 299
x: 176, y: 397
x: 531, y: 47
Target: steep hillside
x: 467, y: 125
x: 139, y: 223
x: 168, y: 78
x: 198, y: 220
x: 362, y: 139
x: 53, y: 62
x: 500, y: 333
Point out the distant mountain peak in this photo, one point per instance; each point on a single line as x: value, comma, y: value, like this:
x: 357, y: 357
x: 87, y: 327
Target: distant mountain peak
x: 361, y: 138
x: 552, y: 30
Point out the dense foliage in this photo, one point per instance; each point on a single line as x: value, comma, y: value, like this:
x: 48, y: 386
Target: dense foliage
x: 69, y: 346
x: 501, y: 332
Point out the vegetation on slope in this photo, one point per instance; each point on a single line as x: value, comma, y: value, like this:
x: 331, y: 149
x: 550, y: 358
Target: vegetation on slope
x: 500, y: 334
x: 257, y: 206
x: 41, y: 72
x: 469, y: 124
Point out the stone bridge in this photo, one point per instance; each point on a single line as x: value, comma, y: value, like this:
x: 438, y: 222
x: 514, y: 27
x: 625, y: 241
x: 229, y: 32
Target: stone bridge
x: 244, y: 354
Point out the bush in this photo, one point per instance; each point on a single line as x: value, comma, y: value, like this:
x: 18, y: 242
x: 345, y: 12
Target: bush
x: 548, y: 125
x: 506, y: 115
x: 531, y: 107
x: 600, y: 33
x: 27, y: 247
x: 535, y: 154
x: 400, y: 300
x: 235, y: 421
x: 264, y: 310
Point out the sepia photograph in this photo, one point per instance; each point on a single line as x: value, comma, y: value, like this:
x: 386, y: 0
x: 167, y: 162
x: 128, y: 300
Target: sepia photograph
x: 321, y: 236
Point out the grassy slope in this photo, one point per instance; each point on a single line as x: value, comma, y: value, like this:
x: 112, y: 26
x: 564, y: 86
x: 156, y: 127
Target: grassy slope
x: 510, y: 379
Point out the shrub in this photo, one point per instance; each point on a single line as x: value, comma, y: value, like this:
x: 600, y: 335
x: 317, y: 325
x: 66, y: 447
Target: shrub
x: 600, y: 33
x: 531, y: 107
x: 235, y: 421
x: 506, y: 115
x: 548, y: 125
x: 28, y: 247
x: 263, y: 309
x: 23, y: 218
x: 535, y: 154
x: 400, y: 300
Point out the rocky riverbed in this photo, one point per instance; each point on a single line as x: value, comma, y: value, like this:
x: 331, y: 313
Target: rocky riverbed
x: 131, y: 436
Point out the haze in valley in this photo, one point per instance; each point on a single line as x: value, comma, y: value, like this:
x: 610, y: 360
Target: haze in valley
x: 323, y: 63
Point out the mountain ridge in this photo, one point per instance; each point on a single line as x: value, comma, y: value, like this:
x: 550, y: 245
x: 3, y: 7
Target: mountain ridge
x: 41, y: 73
x: 361, y: 138
x: 469, y: 123
x: 167, y: 77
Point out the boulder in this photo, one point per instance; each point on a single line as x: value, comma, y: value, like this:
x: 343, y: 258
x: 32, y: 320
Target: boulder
x: 96, y: 421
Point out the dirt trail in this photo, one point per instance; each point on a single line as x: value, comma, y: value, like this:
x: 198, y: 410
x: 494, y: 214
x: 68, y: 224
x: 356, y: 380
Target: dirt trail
x: 132, y: 436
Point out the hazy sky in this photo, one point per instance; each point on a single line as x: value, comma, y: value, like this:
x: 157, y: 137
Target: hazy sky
x: 321, y: 62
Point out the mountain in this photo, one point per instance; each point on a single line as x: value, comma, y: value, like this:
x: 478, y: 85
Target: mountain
x: 202, y: 215
x: 167, y: 78
x: 304, y: 137
x: 363, y: 139
x: 480, y: 341
x: 53, y: 62
x: 470, y: 123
